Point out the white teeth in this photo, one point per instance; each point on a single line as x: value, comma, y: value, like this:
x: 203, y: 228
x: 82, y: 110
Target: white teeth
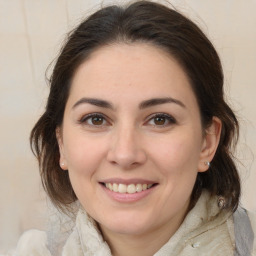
x: 144, y: 186
x: 122, y: 188
x: 115, y: 187
x: 138, y: 187
x: 130, y: 189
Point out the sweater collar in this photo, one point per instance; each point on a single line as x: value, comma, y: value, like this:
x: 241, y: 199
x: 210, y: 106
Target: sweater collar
x: 195, y: 223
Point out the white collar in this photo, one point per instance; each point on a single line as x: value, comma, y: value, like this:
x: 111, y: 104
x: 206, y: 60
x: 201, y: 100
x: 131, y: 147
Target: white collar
x: 86, y: 238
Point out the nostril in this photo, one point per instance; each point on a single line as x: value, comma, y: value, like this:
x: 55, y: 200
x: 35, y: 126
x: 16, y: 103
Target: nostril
x: 126, y: 157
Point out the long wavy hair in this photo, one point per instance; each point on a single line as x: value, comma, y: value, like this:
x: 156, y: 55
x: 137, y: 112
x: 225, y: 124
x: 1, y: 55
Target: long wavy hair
x: 149, y: 22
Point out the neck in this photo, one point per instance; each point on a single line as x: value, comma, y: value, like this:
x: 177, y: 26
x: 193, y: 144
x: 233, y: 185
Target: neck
x: 145, y: 244
x: 128, y: 245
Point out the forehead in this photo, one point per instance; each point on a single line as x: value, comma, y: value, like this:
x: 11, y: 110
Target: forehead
x: 130, y: 69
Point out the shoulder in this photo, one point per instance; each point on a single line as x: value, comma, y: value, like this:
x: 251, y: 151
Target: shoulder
x: 252, y: 218
x: 245, y: 230
x: 32, y: 243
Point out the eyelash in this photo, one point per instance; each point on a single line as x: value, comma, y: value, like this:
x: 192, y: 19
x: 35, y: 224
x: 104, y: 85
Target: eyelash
x: 85, y: 119
x: 171, y: 120
x: 167, y: 118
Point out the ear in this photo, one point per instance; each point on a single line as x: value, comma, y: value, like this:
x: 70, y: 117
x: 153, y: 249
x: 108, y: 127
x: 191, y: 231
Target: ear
x: 210, y: 144
x: 63, y: 162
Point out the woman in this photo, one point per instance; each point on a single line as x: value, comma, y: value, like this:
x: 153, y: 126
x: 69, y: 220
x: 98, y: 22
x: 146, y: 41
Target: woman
x: 136, y: 130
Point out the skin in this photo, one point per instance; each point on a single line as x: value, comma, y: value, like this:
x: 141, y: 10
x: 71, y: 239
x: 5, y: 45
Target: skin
x: 127, y: 142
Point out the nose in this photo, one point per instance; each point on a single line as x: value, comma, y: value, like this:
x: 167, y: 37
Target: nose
x: 126, y: 149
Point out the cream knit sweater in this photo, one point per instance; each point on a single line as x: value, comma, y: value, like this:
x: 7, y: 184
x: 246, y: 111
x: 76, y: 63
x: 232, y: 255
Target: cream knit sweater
x: 206, y: 231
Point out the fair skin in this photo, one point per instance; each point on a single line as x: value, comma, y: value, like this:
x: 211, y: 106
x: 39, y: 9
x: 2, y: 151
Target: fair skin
x: 132, y: 118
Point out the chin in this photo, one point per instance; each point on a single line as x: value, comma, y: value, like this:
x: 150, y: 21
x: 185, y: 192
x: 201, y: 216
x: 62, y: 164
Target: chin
x: 128, y: 225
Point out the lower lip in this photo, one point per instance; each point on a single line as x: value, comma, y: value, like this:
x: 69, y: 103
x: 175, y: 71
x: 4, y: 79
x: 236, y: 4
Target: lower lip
x: 126, y: 197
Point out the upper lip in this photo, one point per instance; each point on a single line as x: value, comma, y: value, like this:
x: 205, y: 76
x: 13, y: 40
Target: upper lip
x: 127, y: 181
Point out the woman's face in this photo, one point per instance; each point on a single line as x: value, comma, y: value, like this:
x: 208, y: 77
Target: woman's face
x: 132, y: 139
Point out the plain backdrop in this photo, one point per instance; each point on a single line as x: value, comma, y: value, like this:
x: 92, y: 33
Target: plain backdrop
x: 32, y: 32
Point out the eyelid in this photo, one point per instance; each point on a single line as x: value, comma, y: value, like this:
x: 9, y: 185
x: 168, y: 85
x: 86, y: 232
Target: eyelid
x: 170, y: 118
x: 83, y: 119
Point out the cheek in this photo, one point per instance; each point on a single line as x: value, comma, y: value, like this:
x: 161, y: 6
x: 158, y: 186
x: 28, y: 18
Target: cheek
x: 177, y: 154
x: 84, y: 154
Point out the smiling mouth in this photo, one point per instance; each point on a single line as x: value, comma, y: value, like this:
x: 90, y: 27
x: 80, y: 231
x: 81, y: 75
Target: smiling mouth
x: 129, y: 189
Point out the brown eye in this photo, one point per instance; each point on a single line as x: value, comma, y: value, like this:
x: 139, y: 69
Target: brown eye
x: 97, y: 120
x: 94, y: 120
x: 159, y: 120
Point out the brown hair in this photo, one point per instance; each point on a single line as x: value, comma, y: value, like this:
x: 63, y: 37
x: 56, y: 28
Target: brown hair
x: 149, y: 22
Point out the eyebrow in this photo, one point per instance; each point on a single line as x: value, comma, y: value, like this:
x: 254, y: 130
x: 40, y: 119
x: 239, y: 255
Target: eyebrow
x: 142, y: 105
x: 95, y: 102
x: 159, y: 101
